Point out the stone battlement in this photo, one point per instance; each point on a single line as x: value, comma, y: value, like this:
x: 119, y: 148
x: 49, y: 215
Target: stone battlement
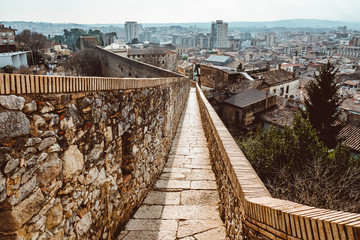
x: 247, y: 207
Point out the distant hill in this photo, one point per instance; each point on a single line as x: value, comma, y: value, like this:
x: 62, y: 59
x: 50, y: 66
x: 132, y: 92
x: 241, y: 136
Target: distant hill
x: 291, y: 23
x: 58, y: 28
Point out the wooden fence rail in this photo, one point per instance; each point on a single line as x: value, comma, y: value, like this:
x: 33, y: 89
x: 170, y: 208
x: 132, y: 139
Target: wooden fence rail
x: 30, y: 84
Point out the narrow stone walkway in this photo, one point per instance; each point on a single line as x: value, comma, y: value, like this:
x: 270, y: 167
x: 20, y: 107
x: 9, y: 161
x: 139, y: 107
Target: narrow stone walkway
x: 184, y: 202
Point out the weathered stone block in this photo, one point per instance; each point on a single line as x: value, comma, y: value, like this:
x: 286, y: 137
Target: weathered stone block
x: 55, y: 216
x: 12, y: 102
x: 13, y: 219
x: 49, y: 170
x: 13, y: 124
x: 23, y: 192
x: 30, y: 107
x: 11, y: 165
x: 83, y: 225
x: 47, y: 142
x: 73, y: 160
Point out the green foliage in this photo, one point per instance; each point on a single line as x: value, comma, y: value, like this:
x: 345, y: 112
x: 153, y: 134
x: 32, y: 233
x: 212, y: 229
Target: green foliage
x: 72, y: 37
x: 58, y: 38
x: 295, y: 165
x: 185, y: 57
x: 135, y: 41
x: 98, y: 34
x: 322, y: 103
x: 278, y: 148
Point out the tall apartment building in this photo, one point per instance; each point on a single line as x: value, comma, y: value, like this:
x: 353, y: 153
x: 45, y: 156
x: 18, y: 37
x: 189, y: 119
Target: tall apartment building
x: 131, y: 31
x: 202, y: 40
x: 219, y: 34
x: 7, y: 39
x: 270, y: 39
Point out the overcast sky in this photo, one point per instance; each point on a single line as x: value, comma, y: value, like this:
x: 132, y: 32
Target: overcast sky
x: 172, y: 11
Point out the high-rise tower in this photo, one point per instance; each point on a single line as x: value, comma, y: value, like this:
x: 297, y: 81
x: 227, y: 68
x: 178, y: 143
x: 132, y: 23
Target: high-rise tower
x: 131, y: 31
x: 219, y: 33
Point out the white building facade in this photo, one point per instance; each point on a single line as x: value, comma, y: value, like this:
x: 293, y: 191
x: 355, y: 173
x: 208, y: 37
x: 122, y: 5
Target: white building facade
x: 16, y: 59
x: 219, y: 34
x: 131, y: 31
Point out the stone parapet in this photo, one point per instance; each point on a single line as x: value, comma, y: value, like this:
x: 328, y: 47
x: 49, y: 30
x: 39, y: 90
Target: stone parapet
x: 246, y: 206
x: 78, y: 154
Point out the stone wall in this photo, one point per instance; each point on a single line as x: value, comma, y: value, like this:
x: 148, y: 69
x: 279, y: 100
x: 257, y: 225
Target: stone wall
x: 248, y: 210
x: 76, y: 165
x: 114, y: 65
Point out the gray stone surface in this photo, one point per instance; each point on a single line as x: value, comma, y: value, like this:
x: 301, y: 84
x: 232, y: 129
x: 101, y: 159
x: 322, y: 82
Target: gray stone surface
x: 32, y: 141
x: 147, y: 211
x: 173, y: 184
x: 23, y: 192
x: 64, y: 174
x: 83, y: 225
x: 192, y: 227
x: 13, y: 124
x: 151, y: 225
x: 12, y: 102
x: 73, y: 160
x: 200, y: 197
x: 162, y: 198
x: 148, y: 235
x: 194, y: 213
x: 31, y: 106
x: 11, y: 165
x: 47, y: 142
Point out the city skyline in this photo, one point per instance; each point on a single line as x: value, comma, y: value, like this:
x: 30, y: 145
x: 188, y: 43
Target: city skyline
x: 161, y: 11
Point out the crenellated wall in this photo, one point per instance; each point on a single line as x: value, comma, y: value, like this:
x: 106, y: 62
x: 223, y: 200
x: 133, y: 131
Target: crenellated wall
x: 248, y: 210
x: 78, y: 155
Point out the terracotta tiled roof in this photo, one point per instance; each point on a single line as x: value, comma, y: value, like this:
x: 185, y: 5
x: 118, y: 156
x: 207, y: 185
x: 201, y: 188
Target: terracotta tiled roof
x: 241, y: 85
x: 280, y: 116
x: 350, y: 105
x: 274, y: 77
x: 350, y: 136
x: 247, y: 98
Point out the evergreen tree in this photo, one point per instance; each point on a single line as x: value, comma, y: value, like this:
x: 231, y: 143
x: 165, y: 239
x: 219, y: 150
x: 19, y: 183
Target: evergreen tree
x: 321, y: 104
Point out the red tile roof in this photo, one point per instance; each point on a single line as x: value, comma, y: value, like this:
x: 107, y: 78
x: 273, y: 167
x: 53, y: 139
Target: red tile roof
x: 350, y: 136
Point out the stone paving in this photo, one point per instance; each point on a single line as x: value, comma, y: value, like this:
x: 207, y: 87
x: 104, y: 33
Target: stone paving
x: 184, y: 201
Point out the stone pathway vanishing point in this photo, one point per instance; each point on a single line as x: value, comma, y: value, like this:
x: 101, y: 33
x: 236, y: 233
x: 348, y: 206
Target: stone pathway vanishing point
x: 184, y: 201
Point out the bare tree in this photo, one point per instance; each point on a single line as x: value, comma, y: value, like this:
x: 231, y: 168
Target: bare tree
x: 34, y: 42
x: 84, y: 63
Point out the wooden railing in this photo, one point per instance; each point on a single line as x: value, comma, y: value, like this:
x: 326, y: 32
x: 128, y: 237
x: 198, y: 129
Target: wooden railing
x: 30, y: 84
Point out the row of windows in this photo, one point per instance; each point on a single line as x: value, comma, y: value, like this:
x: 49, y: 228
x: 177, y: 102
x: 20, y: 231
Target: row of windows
x: 4, y: 34
x: 282, y: 91
x: 6, y: 41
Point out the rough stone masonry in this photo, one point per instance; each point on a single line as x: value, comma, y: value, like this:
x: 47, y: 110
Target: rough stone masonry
x: 75, y: 166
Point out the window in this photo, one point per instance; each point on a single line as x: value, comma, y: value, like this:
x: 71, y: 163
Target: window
x: 281, y: 92
x: 287, y: 89
x: 11, y: 40
x: 10, y: 34
x: 3, y: 34
x: 5, y: 41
